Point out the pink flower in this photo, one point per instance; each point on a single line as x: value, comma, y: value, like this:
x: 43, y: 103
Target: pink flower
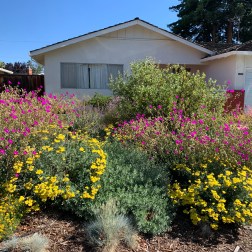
x: 15, y: 152
x: 193, y: 133
x: 231, y: 91
x: 10, y: 141
x: 2, y: 151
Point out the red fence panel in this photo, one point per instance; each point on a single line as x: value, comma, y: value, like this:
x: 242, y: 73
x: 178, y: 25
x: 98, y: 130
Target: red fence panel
x: 235, y: 100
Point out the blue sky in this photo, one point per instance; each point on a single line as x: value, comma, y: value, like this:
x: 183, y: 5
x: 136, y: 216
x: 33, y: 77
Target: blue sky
x: 30, y: 24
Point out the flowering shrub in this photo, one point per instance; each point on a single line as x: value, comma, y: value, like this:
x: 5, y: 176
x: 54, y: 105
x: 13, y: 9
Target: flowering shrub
x: 11, y: 212
x: 209, y: 160
x: 147, y: 85
x: 214, y: 192
x: 41, y: 160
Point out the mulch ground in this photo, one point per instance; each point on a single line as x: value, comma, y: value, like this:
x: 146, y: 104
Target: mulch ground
x: 66, y: 234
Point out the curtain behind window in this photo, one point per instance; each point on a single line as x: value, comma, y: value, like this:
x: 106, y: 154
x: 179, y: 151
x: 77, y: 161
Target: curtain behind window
x: 85, y: 76
x: 68, y: 75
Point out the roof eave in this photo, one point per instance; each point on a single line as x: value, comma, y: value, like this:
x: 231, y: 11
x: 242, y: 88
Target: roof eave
x: 225, y: 55
x: 5, y: 71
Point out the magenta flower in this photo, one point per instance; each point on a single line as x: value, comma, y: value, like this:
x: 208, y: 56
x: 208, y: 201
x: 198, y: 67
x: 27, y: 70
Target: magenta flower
x: 10, y: 141
x: 2, y: 152
x: 231, y: 91
x: 6, y: 131
x: 15, y: 152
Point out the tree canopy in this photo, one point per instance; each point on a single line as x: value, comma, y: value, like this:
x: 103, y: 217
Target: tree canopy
x: 225, y: 21
x: 22, y: 67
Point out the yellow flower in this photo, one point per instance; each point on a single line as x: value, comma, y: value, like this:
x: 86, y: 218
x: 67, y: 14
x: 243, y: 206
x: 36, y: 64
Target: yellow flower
x: 30, y: 167
x: 65, y: 179
x: 214, y: 226
x: 29, y: 161
x: 28, y: 186
x: 29, y: 202
x: 61, y: 137
x: 82, y: 149
x: 21, y: 199
x: 38, y: 172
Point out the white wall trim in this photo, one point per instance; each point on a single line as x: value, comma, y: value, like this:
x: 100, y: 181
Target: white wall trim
x: 225, y: 55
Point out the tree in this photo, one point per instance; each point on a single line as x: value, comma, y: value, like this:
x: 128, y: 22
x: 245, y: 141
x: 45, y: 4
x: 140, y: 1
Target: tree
x: 36, y: 68
x: 2, y: 64
x: 214, y: 21
x: 17, y: 67
x: 22, y: 67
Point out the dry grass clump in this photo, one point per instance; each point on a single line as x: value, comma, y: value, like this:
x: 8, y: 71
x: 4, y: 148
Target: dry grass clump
x: 110, y: 229
x: 31, y: 243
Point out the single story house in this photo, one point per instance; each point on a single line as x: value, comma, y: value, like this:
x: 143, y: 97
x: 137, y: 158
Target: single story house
x: 83, y: 65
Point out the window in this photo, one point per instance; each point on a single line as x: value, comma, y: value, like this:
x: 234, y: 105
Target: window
x: 88, y: 76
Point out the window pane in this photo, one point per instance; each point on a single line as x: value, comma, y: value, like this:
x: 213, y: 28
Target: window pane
x: 68, y: 75
x: 82, y: 76
x: 98, y: 76
x: 114, y: 70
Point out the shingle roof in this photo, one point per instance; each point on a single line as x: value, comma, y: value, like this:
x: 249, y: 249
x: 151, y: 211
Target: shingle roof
x: 225, y: 48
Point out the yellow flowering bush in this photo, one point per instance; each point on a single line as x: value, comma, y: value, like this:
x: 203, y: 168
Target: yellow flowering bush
x: 63, y: 164
x: 42, y: 159
x: 214, y: 192
x: 10, y: 214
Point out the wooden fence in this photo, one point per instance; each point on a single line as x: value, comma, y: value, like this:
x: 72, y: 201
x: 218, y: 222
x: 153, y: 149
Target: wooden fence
x: 28, y: 82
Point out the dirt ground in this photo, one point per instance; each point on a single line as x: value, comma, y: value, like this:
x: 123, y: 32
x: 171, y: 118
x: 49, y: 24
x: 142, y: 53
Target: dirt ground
x: 66, y: 234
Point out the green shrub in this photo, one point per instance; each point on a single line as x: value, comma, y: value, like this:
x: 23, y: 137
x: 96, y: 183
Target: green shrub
x: 99, y: 101
x: 138, y: 185
x: 148, y: 86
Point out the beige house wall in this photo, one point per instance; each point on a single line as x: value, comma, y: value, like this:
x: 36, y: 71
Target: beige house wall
x: 222, y: 70
x: 121, y: 47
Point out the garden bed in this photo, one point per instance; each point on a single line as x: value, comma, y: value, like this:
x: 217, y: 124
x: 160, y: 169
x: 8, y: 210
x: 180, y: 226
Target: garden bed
x: 65, y: 233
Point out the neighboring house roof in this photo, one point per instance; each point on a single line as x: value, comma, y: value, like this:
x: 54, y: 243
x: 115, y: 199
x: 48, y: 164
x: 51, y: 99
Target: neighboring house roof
x: 38, y: 54
x: 226, y: 50
x: 2, y: 70
x: 220, y: 48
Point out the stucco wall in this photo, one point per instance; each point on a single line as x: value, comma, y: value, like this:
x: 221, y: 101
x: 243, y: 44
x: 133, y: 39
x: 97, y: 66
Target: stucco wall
x: 222, y: 70
x: 121, y: 47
